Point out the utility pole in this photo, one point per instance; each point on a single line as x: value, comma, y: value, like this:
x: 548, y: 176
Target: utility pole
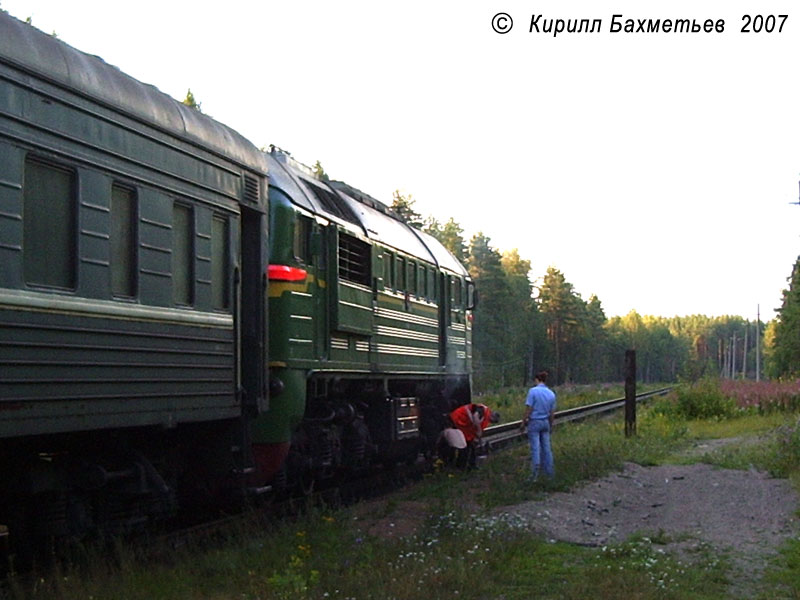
x: 758, y: 342
x: 630, y: 393
x: 744, y: 354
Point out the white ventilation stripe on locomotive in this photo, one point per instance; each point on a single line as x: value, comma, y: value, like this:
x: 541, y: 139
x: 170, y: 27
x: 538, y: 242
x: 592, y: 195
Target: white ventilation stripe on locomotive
x: 407, y: 351
x: 396, y: 315
x: 363, y: 346
x: 459, y: 327
x: 456, y: 341
x: 299, y: 341
x: 358, y: 306
x: 355, y: 286
x: 339, y: 344
x: 407, y: 335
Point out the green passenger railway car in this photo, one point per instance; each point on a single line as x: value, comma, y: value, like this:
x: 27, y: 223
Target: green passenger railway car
x: 132, y: 233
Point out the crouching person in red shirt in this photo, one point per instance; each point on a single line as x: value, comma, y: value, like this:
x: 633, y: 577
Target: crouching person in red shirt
x: 471, y: 419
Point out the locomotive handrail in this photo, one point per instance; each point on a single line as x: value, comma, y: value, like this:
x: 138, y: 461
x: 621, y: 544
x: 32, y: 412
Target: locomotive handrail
x: 498, y: 434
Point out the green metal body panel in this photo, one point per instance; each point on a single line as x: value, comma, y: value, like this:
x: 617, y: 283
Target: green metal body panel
x: 69, y: 370
x: 286, y: 409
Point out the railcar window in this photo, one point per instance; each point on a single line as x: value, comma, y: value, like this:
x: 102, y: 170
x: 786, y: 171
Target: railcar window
x: 401, y: 274
x: 423, y: 282
x: 458, y: 299
x: 388, y: 265
x: 49, y: 229
x: 220, y: 259
x: 182, y: 253
x: 123, y: 241
x: 353, y: 259
x: 412, y: 277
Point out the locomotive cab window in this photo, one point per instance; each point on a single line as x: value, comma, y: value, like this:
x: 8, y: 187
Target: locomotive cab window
x: 354, y: 259
x: 471, y: 296
x: 412, y: 278
x: 301, y: 244
x: 123, y: 241
x: 48, y: 237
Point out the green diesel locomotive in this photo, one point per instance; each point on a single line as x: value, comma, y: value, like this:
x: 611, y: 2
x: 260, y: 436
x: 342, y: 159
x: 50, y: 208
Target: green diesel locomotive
x: 370, y: 331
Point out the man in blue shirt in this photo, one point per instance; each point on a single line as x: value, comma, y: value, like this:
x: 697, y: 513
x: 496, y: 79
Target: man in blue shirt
x: 540, y: 408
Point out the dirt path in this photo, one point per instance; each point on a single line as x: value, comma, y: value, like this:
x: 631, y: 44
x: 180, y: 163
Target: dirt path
x: 744, y: 513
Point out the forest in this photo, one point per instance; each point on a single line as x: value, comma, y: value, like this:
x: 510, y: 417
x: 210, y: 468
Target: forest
x: 523, y: 325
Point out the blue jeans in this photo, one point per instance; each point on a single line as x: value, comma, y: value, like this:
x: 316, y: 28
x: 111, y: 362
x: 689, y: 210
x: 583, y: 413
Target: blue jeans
x: 541, y: 453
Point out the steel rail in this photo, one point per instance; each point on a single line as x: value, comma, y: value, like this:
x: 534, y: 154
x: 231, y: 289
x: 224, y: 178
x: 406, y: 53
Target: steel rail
x: 497, y: 435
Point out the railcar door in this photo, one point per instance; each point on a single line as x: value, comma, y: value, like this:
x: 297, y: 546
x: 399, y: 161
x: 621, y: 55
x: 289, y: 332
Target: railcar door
x: 252, y: 309
x: 444, y: 316
x: 318, y: 267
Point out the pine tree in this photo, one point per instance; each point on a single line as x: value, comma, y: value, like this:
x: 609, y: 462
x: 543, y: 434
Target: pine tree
x: 451, y: 235
x: 403, y: 205
x: 561, y: 310
x: 191, y: 102
x: 784, y: 353
x: 319, y: 172
x: 490, y: 328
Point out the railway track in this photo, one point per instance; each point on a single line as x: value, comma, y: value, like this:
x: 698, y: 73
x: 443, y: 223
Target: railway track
x: 499, y: 435
x: 495, y: 437
x: 383, y: 481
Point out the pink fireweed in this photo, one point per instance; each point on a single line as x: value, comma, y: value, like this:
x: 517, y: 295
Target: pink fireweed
x: 763, y: 395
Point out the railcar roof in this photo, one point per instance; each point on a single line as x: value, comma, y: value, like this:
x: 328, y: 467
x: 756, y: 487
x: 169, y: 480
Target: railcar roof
x: 372, y: 217
x: 25, y: 47
x: 389, y: 230
x: 444, y: 257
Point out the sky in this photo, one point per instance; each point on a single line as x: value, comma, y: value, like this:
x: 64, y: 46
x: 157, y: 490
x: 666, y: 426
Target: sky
x: 656, y: 171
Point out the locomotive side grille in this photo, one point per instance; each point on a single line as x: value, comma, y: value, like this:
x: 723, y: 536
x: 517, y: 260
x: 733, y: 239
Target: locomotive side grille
x: 353, y: 259
x: 251, y: 189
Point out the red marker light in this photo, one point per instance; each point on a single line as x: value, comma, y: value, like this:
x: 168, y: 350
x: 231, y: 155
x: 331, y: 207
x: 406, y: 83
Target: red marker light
x: 284, y: 273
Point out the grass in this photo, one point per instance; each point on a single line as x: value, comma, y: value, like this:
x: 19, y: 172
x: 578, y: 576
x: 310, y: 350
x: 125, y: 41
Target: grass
x: 511, y: 401
x: 438, y: 539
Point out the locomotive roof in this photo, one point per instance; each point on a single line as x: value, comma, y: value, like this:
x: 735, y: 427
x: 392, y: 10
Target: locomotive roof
x: 345, y: 204
x: 35, y: 52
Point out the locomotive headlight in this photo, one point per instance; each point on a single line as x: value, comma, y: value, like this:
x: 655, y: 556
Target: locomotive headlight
x: 276, y: 386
